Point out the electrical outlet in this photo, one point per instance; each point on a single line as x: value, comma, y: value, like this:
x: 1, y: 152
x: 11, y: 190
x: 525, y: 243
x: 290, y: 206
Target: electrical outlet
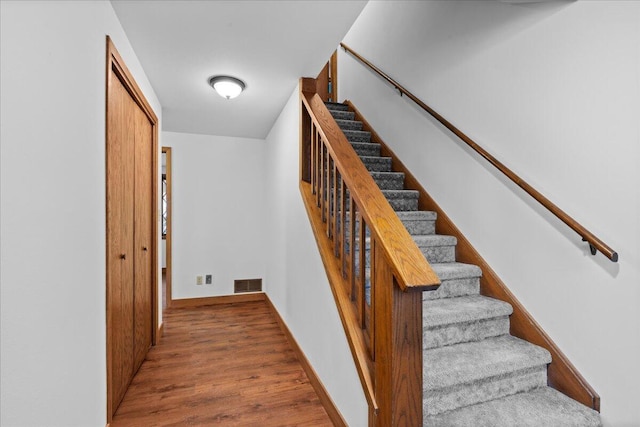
x: 208, y: 279
x: 198, y: 280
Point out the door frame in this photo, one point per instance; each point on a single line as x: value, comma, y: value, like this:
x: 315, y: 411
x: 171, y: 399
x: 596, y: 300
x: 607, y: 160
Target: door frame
x: 168, y: 298
x: 328, y: 79
x: 115, y: 66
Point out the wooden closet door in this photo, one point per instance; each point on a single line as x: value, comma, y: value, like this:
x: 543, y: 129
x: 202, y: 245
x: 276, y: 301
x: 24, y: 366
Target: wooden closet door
x: 131, y: 166
x: 143, y: 207
x: 120, y: 228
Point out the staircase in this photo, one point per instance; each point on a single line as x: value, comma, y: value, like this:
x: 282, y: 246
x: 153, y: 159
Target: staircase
x: 474, y: 372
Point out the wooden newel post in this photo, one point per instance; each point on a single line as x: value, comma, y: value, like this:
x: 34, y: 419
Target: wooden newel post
x: 306, y: 85
x: 398, y: 349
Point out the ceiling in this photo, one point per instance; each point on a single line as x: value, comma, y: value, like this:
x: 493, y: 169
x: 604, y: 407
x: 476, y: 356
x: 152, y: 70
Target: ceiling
x: 268, y: 44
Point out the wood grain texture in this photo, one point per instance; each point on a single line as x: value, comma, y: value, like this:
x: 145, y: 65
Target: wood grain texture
x: 333, y: 76
x: 391, y: 378
x: 120, y: 245
x: 142, y: 236
x: 328, y: 76
x: 221, y: 365
x: 217, y: 300
x: 306, y: 140
x: 405, y: 258
x: 398, y: 350
x: 308, y: 84
x: 359, y: 248
x: 539, y: 197
x: 339, y: 286
x: 130, y: 132
x: 323, y: 82
x: 323, y: 395
x: 562, y: 375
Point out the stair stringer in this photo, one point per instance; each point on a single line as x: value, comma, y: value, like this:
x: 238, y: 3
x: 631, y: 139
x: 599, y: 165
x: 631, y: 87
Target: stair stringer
x: 562, y: 375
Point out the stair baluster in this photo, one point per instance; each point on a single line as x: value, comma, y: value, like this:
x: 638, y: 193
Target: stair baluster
x: 473, y: 366
x: 375, y: 268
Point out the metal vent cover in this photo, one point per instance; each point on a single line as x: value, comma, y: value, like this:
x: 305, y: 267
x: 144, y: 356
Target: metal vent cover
x: 247, y: 285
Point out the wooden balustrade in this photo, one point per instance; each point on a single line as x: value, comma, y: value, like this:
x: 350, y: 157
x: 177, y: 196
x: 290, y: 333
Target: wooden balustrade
x: 375, y: 269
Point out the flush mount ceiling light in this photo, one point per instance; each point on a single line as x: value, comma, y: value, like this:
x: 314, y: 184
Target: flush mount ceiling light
x: 227, y: 86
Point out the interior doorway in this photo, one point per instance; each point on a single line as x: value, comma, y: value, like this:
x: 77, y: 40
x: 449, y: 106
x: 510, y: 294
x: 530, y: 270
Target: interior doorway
x: 165, y: 208
x: 327, y: 80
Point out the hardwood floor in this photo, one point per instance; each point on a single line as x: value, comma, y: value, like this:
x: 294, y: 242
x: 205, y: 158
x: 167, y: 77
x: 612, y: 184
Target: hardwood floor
x: 225, y: 365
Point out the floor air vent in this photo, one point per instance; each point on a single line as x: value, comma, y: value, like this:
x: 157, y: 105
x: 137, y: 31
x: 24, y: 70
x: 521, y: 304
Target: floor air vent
x: 247, y: 285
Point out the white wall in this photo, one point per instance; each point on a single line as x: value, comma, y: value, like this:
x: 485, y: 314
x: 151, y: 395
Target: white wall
x: 296, y: 280
x: 53, y: 209
x: 218, y: 224
x: 553, y: 90
x: 163, y: 253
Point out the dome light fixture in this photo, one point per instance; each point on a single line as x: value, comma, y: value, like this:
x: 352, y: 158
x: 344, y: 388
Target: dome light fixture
x: 227, y: 87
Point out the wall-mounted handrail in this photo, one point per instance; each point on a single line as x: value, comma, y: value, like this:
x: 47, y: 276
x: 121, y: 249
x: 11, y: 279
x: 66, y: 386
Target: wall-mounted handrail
x: 595, y: 244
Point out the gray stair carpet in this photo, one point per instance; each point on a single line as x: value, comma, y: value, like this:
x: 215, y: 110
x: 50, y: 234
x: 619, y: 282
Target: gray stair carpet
x: 475, y: 374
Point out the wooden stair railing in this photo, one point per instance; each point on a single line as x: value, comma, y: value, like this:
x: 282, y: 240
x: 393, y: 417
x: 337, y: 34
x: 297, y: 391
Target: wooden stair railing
x: 595, y: 244
x: 561, y: 373
x: 375, y: 269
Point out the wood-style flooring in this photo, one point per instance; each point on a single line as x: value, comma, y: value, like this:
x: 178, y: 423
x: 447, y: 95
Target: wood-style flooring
x: 225, y: 365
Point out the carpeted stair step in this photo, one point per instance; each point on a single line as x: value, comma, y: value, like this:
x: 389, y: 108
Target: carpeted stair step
x: 463, y: 319
x: 342, y: 115
x: 456, y: 279
x: 357, y: 135
x: 349, y: 124
x: 429, y: 253
x: 388, y: 180
x: 376, y: 163
x: 418, y: 222
x: 402, y: 200
x: 335, y: 106
x: 369, y: 149
x: 474, y: 372
x: 540, y: 407
x: 437, y: 248
x: 465, y: 374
